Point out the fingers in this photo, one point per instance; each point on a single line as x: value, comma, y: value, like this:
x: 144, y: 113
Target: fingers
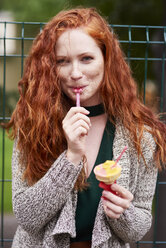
x: 115, y: 205
x: 81, y: 125
x: 75, y: 119
x: 111, y: 209
x: 80, y: 118
x: 80, y: 131
x: 117, y: 200
x: 76, y: 125
x: 76, y: 110
x: 121, y: 191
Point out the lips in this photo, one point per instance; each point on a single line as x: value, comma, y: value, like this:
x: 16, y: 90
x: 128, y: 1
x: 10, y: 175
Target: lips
x: 78, y: 89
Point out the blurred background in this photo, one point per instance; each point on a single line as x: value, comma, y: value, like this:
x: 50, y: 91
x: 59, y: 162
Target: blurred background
x: 140, y: 12
x: 140, y: 26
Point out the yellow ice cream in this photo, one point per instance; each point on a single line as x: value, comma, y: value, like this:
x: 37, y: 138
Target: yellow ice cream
x: 107, y: 172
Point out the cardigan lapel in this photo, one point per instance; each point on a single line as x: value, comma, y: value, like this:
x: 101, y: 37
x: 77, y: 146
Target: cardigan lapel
x: 120, y: 141
x: 66, y: 220
x: 102, y: 232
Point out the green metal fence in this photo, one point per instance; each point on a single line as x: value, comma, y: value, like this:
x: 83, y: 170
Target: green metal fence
x: 144, y: 47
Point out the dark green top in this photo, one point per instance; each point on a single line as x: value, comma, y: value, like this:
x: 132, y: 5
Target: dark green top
x: 88, y: 199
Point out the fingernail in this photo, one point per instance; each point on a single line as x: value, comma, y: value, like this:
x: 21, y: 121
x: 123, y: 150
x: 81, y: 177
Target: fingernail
x: 112, y: 186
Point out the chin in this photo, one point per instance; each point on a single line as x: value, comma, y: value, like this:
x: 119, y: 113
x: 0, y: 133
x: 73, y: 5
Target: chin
x: 90, y: 102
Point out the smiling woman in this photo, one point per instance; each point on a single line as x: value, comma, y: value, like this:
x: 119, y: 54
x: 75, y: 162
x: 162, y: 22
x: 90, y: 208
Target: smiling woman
x: 56, y: 198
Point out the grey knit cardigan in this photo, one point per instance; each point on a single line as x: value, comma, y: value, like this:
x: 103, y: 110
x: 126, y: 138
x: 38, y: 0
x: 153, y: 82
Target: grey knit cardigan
x: 46, y: 211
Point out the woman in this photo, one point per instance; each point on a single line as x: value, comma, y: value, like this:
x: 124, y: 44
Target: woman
x: 56, y: 198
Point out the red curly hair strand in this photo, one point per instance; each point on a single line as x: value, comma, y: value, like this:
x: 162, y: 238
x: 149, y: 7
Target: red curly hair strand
x: 42, y: 106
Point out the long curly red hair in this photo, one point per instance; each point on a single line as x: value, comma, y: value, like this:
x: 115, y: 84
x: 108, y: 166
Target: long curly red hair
x: 42, y: 106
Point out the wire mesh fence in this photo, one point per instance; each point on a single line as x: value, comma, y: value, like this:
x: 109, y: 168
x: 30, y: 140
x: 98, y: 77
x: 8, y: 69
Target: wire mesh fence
x: 144, y: 48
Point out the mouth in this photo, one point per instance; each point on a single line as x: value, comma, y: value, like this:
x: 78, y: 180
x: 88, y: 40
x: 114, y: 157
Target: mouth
x: 78, y: 89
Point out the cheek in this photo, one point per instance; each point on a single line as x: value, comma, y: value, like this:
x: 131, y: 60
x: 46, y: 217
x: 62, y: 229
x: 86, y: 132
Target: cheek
x: 95, y: 71
x: 63, y: 74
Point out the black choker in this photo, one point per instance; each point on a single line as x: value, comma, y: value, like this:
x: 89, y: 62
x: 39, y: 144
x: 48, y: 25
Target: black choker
x: 96, y: 110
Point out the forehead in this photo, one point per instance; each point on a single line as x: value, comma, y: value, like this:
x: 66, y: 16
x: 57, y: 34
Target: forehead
x: 75, y: 41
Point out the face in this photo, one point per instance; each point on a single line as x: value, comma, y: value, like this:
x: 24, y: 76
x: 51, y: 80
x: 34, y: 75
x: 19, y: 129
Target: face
x: 80, y: 65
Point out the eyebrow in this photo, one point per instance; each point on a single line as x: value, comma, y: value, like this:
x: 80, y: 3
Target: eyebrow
x: 81, y: 54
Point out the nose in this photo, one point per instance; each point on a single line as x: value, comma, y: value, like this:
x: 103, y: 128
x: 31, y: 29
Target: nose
x: 76, y: 73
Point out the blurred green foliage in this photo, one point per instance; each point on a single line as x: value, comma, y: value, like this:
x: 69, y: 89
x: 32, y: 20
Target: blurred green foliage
x: 8, y: 145
x: 149, y: 12
x: 138, y: 12
x: 38, y: 10
x: 9, y: 101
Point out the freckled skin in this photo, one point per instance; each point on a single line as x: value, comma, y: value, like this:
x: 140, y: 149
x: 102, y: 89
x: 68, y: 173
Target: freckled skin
x: 80, y: 63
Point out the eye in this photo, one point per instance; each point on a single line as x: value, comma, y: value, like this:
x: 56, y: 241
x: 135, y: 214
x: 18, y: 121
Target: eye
x: 62, y: 61
x: 87, y: 58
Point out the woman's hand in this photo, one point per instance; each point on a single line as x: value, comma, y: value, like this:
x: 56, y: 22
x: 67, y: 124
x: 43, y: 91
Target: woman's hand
x: 76, y: 126
x: 115, y: 205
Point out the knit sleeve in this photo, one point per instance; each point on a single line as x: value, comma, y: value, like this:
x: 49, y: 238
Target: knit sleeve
x: 36, y: 205
x: 136, y: 220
